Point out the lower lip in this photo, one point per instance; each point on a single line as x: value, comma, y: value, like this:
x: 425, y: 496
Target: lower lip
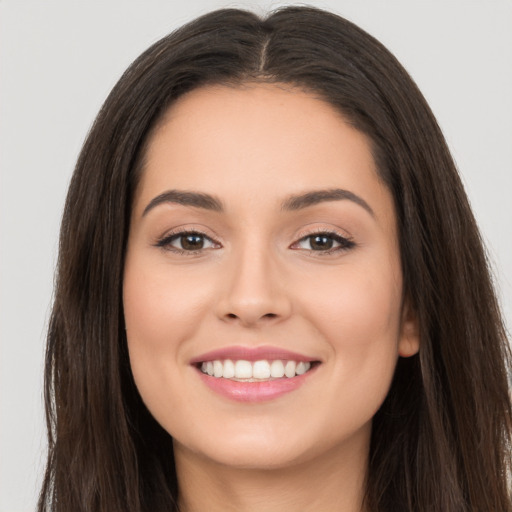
x: 254, y: 391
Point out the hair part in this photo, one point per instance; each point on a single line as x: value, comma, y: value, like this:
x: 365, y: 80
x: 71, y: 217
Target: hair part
x: 441, y: 440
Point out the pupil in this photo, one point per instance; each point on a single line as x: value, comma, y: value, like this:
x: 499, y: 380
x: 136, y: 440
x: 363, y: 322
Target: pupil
x: 321, y: 242
x: 192, y: 242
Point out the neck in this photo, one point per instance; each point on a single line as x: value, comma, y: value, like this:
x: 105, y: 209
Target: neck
x: 335, y: 483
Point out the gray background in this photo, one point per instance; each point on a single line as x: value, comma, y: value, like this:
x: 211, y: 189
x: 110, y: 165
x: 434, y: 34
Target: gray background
x: 58, y: 61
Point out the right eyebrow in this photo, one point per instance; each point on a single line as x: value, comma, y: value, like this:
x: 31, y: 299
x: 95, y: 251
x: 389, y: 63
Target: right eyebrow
x: 197, y: 199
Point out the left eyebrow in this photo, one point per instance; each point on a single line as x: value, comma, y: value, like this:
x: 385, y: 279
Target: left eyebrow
x: 298, y: 202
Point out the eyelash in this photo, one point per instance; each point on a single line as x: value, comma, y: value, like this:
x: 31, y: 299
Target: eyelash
x: 165, y: 242
x: 344, y: 242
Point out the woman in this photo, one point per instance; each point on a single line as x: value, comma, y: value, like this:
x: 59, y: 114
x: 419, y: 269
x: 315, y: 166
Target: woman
x: 271, y: 290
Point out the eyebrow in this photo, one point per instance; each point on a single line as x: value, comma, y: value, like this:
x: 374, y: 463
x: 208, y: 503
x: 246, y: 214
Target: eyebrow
x: 197, y: 199
x: 301, y: 201
x: 292, y: 203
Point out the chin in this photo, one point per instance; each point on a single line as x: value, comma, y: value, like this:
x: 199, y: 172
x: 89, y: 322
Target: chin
x: 254, y: 455
x: 274, y: 449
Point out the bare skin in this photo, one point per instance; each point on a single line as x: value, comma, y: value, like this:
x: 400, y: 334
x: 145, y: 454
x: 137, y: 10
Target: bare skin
x: 308, y: 487
x: 295, y: 247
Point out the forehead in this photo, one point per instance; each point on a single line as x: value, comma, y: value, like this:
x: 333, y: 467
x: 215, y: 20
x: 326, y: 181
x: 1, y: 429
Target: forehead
x: 260, y: 140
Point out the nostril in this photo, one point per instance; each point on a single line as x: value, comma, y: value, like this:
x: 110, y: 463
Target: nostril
x: 266, y: 316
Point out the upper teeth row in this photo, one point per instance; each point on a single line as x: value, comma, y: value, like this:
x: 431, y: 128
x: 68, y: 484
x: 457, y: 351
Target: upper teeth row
x: 257, y: 370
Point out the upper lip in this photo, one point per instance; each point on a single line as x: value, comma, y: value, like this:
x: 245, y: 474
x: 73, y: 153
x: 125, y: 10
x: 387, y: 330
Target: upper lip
x: 251, y: 354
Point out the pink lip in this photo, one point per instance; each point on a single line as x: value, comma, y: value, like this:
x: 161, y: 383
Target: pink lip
x: 254, y: 391
x: 251, y: 354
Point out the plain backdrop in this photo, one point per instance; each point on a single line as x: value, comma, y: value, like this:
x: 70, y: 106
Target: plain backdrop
x: 58, y: 61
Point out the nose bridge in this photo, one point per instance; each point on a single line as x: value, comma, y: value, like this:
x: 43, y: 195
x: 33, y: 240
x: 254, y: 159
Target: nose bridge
x: 254, y: 291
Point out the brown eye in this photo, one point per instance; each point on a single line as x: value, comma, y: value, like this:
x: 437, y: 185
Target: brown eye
x: 187, y: 241
x: 191, y: 242
x: 324, y: 243
x: 321, y: 243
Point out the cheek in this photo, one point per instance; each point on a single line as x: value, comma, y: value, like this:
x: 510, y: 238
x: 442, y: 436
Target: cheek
x: 358, y: 311
x: 161, y: 311
x: 356, y: 301
x: 160, y: 306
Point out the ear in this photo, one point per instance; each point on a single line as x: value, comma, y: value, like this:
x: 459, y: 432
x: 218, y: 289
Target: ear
x: 409, y: 342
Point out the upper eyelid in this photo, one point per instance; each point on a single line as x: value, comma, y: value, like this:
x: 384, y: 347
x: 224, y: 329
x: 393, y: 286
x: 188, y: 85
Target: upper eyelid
x: 189, y: 230
x: 299, y: 236
x: 341, y: 239
x: 323, y: 231
x: 164, y: 242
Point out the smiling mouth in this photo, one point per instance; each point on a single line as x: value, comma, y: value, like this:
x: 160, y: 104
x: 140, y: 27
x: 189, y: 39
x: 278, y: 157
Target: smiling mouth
x: 255, y: 371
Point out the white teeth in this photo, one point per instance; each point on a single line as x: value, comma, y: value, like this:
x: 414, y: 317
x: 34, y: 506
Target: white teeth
x: 229, y: 369
x: 259, y: 370
x: 217, y: 369
x: 243, y: 370
x: 277, y: 369
x: 289, y: 369
x: 300, y: 369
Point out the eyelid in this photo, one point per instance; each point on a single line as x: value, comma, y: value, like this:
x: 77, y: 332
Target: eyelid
x: 165, y: 240
x: 323, y: 230
x: 346, y: 241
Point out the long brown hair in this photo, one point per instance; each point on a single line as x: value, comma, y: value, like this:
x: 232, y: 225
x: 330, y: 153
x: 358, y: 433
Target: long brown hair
x: 441, y: 441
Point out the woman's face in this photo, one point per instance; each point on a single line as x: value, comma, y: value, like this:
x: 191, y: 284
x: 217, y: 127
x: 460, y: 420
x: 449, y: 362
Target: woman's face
x: 262, y: 242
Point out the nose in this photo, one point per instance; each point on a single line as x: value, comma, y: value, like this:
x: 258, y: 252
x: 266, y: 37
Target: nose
x: 255, y: 291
